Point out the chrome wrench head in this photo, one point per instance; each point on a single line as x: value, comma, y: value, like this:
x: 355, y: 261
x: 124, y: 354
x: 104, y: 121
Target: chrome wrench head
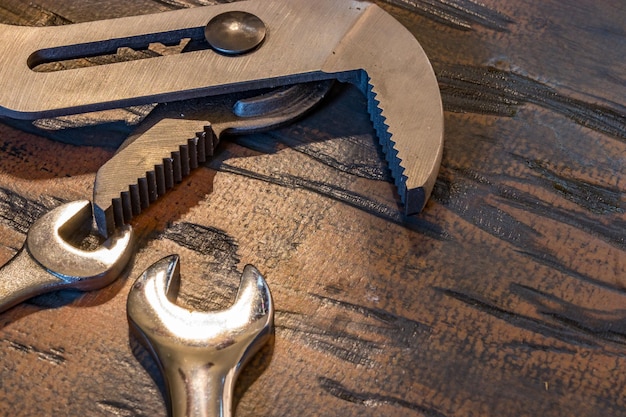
x: 47, y: 262
x: 86, y: 270
x: 199, y: 353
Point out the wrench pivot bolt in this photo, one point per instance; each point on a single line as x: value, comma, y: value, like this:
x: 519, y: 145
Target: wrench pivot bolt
x: 199, y: 353
x: 235, y: 33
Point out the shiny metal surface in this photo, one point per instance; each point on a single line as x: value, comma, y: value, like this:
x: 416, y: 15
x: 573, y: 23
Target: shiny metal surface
x: 47, y: 262
x: 235, y: 32
x: 199, y: 353
x: 349, y: 40
x: 152, y: 161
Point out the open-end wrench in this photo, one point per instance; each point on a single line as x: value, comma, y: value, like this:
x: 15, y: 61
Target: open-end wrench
x: 47, y: 262
x: 199, y: 353
x: 296, y: 41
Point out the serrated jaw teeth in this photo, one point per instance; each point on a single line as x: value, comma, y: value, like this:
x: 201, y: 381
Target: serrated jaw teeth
x: 164, y: 176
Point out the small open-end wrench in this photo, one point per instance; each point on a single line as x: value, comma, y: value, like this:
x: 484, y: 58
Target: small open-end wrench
x: 47, y: 262
x: 199, y: 353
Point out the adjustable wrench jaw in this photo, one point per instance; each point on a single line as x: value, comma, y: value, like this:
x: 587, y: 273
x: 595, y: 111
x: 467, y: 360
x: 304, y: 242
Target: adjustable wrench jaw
x: 404, y: 101
x: 350, y: 40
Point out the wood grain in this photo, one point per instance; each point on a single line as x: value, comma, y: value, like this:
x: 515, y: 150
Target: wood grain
x: 505, y: 297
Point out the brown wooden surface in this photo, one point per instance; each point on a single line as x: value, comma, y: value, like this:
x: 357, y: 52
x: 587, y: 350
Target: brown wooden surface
x: 504, y: 298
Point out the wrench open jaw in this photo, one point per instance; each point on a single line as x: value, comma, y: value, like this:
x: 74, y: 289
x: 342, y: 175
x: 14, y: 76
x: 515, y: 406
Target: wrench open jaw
x: 199, y: 353
x: 47, y: 262
x: 349, y: 40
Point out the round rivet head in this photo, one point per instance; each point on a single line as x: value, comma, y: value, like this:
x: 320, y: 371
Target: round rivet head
x: 235, y: 33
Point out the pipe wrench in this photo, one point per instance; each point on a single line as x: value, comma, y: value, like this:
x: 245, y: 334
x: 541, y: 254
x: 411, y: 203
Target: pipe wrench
x: 238, y: 47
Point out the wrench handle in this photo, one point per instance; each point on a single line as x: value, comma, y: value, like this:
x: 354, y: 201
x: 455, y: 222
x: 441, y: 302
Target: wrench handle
x: 200, y: 389
x: 28, y: 94
x: 23, y: 278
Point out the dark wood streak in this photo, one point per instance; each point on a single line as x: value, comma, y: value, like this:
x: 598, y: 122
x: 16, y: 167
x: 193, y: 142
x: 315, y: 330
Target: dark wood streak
x: 373, y: 400
x: 323, y: 188
x: 613, y: 233
x: 350, y: 154
x: 590, y: 199
x: 350, y: 337
x: 19, y: 212
x: 525, y: 239
x: 53, y: 355
x: 354, y: 199
x: 487, y: 90
x: 593, y: 197
x: 564, y: 334
x: 607, y: 326
x: 346, y: 347
x: 506, y: 227
x: 206, y: 241
x: 540, y: 256
x: 460, y: 14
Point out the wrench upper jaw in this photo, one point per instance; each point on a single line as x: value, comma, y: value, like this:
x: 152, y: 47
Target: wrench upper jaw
x: 80, y: 269
x: 385, y: 60
x: 254, y: 301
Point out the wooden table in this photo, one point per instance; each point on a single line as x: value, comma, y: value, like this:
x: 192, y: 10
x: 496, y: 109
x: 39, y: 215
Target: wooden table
x: 504, y: 298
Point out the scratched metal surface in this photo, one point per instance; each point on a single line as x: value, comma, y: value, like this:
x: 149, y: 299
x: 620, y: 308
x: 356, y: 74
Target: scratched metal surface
x: 504, y: 298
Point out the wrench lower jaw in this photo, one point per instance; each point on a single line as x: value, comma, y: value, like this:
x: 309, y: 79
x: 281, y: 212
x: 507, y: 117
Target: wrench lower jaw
x: 415, y: 201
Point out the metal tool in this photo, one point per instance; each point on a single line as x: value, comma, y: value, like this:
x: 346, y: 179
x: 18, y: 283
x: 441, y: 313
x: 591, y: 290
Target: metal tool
x: 48, y: 262
x: 199, y: 353
x: 160, y: 154
x: 295, y: 41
